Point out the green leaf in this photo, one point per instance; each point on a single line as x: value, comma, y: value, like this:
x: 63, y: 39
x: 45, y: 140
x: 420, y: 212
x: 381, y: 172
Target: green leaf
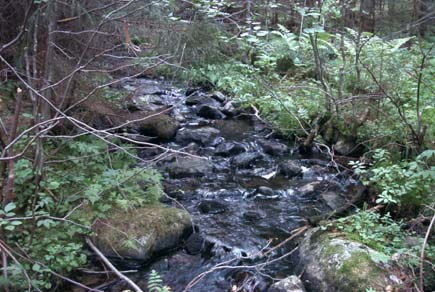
x: 36, y: 267
x: 9, y: 207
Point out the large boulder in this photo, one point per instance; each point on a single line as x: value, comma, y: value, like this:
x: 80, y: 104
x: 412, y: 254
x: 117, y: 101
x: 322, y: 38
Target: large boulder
x: 333, y: 263
x: 140, y: 233
x: 102, y: 114
x: 289, y: 284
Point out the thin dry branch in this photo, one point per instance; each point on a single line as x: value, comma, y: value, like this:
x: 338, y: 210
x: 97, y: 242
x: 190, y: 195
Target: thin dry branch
x: 422, y: 254
x: 112, y: 267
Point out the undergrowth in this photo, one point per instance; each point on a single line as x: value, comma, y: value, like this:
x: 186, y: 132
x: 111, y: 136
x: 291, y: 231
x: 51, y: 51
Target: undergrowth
x: 84, y: 179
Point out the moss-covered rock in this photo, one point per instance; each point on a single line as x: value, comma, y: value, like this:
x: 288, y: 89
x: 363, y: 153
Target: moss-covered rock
x: 140, y: 233
x: 332, y: 263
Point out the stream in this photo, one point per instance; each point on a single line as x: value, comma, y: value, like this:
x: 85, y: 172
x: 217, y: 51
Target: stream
x: 253, y: 189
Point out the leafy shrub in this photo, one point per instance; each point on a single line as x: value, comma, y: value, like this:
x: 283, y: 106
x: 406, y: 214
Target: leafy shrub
x: 403, y: 184
x: 84, y: 180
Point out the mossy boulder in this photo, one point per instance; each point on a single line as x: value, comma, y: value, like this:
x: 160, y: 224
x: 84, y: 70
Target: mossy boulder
x: 333, y: 263
x: 141, y: 233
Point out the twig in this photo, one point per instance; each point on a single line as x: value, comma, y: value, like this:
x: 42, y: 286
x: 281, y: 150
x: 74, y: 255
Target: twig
x: 296, y: 233
x: 109, y: 264
x: 426, y: 237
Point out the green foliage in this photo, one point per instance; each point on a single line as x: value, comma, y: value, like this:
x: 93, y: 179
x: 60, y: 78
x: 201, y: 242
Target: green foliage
x: 406, y: 183
x: 384, y: 235
x: 381, y: 233
x: 83, y: 180
x: 154, y: 283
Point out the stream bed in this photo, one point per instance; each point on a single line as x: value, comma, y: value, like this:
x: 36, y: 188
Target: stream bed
x: 246, y: 188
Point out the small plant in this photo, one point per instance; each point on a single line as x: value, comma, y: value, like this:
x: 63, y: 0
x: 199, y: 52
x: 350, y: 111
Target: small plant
x: 155, y: 283
x: 379, y: 232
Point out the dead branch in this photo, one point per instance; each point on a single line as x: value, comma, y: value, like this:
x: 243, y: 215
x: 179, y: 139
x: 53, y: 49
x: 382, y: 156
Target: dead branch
x: 112, y: 267
x: 422, y: 254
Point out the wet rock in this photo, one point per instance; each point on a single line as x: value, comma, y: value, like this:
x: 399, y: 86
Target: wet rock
x: 290, y: 168
x: 194, y: 244
x: 246, y: 159
x: 149, y: 88
x: 229, y: 109
x: 148, y: 230
x: 161, y: 126
x: 332, y: 263
x: 219, y: 96
x: 310, y: 188
x: 149, y: 102
x: 189, y: 166
x: 289, y: 284
x: 210, y: 112
x: 212, y: 207
x: 333, y: 200
x: 200, y: 99
x: 273, y: 147
x: 254, y: 215
x: 206, y: 136
x: 229, y: 149
x: 315, y: 172
x: 343, y: 147
x: 265, y: 191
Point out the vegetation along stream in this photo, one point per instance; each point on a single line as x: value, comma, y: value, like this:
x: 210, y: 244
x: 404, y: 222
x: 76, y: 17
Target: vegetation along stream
x: 217, y: 146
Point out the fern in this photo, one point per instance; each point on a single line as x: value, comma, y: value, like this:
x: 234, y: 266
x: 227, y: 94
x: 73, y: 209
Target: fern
x: 155, y: 283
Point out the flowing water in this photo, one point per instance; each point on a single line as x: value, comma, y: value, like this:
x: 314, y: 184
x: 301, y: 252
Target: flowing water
x: 247, y: 195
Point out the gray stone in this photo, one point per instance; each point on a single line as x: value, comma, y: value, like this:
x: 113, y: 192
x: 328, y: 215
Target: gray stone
x: 212, y: 207
x: 333, y: 200
x: 210, y: 112
x: 273, y: 148
x: 194, y: 244
x: 148, y: 102
x: 246, y: 159
x: 290, y: 168
x: 310, y: 187
x: 199, y: 100
x: 265, y: 191
x: 161, y: 126
x: 289, y: 284
x: 187, y: 166
x: 333, y: 263
x: 229, y: 109
x: 229, y: 148
x: 206, y: 136
x: 140, y: 233
x: 219, y: 96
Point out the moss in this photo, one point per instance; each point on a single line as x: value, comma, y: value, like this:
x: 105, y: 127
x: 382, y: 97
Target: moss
x: 347, y: 270
x: 359, y: 272
x: 138, y: 233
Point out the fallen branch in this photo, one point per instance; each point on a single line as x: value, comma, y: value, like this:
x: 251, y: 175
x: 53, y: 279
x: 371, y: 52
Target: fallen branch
x: 115, y: 270
x: 426, y: 237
